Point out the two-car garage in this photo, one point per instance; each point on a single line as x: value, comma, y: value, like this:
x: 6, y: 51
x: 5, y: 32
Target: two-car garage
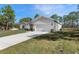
x: 41, y: 27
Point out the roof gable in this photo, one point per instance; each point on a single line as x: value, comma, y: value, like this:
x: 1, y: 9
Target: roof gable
x: 42, y: 17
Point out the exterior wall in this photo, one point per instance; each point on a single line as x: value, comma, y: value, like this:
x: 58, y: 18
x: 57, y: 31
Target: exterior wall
x: 47, y: 25
x: 52, y: 25
x: 24, y: 26
x: 42, y: 25
x: 57, y: 26
x: 21, y: 26
x: 27, y: 26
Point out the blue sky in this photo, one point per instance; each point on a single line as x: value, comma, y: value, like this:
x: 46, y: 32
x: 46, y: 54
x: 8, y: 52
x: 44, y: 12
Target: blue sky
x: 29, y: 10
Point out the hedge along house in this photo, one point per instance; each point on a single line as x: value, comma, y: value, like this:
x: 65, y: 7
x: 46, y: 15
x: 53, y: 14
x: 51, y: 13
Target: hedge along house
x: 43, y: 24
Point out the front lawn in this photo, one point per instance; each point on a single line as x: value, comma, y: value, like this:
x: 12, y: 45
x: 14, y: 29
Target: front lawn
x: 10, y: 32
x: 43, y: 46
x: 52, y: 43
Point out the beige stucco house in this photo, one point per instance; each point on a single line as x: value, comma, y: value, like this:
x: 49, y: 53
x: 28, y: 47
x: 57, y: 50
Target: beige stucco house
x: 44, y: 24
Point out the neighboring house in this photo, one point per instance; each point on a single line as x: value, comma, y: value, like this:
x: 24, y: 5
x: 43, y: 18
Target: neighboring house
x: 25, y: 25
x: 43, y: 24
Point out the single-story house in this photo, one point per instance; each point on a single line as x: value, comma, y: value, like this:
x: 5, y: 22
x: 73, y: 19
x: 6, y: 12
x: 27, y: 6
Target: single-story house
x: 25, y: 25
x: 43, y: 24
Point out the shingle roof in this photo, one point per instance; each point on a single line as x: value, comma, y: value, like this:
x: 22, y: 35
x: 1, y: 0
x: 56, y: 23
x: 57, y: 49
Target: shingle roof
x: 42, y: 17
x: 27, y: 22
x: 39, y: 18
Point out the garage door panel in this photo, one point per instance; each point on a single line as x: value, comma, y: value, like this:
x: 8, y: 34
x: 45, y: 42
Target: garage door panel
x: 42, y: 27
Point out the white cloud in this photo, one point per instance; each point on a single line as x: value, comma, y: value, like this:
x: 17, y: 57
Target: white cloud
x: 49, y: 9
x: 45, y: 9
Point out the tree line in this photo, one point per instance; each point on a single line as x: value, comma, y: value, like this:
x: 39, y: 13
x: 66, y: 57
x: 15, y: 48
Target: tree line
x: 70, y: 20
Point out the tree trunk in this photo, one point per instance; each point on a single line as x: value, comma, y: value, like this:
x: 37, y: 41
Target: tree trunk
x: 7, y: 26
x: 77, y: 24
x: 72, y: 24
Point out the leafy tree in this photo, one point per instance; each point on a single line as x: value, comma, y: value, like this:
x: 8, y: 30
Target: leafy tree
x: 73, y: 17
x: 1, y: 21
x: 54, y: 16
x: 8, y: 16
x: 70, y: 19
x: 57, y: 18
x: 36, y: 15
x: 17, y: 25
x: 77, y: 21
x: 66, y: 21
x: 60, y: 19
x: 25, y: 20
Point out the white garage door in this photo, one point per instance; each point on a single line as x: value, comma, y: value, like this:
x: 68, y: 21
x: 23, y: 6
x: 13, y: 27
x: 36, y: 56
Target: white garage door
x: 42, y: 27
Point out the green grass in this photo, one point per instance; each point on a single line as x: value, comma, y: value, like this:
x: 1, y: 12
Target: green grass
x: 35, y: 46
x: 65, y: 42
x: 11, y: 32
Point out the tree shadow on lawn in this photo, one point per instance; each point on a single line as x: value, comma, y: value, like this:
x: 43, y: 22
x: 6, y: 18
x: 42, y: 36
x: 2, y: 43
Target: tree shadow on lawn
x: 74, y: 35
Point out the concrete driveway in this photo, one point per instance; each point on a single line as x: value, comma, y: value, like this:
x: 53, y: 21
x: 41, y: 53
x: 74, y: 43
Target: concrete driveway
x: 11, y: 40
